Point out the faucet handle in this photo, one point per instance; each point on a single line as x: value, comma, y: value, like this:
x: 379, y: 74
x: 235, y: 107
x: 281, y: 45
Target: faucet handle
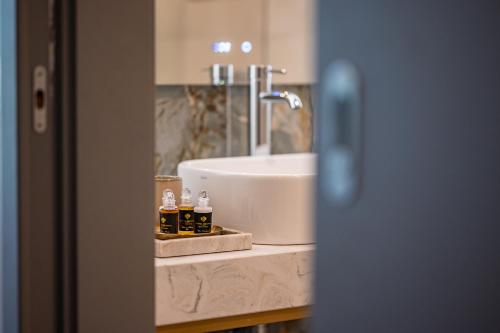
x: 276, y: 71
x: 269, y: 74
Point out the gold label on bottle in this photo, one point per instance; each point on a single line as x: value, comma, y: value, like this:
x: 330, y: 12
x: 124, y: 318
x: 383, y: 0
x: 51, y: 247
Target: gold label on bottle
x: 186, y: 220
x: 202, y: 223
x: 169, y: 222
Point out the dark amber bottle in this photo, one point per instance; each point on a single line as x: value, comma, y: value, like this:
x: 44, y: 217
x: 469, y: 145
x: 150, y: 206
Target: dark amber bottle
x: 203, y: 215
x: 186, y: 213
x: 169, y: 214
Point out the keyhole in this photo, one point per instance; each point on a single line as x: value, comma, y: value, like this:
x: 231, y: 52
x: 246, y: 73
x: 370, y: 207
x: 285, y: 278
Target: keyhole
x: 40, y: 99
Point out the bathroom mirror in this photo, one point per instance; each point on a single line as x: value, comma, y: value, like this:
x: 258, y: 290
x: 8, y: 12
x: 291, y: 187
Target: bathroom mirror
x: 191, y: 35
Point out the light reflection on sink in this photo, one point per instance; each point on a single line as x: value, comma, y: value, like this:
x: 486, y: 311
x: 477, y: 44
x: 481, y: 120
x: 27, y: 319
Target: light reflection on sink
x: 269, y: 196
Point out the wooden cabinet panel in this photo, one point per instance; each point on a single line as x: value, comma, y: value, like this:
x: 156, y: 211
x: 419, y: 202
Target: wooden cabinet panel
x: 280, y: 31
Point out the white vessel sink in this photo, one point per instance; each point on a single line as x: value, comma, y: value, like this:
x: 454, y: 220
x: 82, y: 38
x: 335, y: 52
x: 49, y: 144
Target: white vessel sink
x: 269, y: 196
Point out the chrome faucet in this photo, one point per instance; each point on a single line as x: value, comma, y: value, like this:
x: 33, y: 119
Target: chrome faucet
x: 260, y: 100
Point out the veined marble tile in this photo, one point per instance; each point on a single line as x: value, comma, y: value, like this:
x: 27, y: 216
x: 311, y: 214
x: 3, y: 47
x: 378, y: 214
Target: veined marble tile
x: 292, y: 130
x: 191, y: 123
x: 226, y: 284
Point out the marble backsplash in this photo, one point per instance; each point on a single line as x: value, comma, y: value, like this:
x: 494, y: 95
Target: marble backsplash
x: 191, y: 123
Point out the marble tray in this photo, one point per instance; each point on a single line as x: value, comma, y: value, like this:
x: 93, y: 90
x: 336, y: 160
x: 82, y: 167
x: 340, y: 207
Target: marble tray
x: 228, y: 240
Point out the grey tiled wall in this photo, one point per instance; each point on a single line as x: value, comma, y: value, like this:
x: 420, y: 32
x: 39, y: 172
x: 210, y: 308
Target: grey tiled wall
x: 191, y: 123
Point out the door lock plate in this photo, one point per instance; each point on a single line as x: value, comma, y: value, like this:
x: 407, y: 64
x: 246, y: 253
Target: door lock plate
x: 39, y: 99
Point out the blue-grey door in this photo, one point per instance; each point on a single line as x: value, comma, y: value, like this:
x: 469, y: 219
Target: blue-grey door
x: 408, y: 221
x: 9, y: 314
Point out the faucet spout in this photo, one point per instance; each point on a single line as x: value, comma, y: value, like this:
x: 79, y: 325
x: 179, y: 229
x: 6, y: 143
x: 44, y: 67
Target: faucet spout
x: 261, y: 98
x: 294, y: 101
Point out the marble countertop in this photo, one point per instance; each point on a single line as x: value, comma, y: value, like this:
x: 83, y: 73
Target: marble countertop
x: 225, y: 284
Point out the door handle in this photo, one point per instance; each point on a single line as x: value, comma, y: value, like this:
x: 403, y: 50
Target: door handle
x: 341, y: 133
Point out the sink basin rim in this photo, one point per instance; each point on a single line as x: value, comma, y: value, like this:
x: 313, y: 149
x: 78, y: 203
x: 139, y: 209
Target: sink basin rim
x: 198, y: 165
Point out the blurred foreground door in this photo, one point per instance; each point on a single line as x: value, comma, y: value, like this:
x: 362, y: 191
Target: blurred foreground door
x: 409, y: 177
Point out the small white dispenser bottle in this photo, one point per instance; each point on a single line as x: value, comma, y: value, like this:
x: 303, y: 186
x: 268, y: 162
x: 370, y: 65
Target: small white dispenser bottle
x: 203, y: 215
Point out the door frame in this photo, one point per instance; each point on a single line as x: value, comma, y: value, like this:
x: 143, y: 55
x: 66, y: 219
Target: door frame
x: 115, y: 95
